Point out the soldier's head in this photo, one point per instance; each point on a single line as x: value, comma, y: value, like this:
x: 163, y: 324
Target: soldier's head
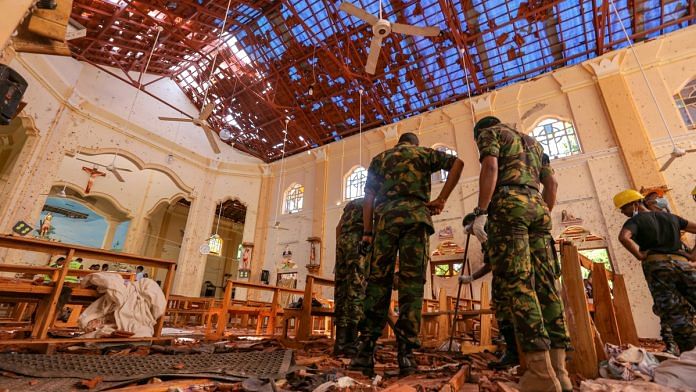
x: 630, y: 202
x: 410, y: 138
x: 483, y: 123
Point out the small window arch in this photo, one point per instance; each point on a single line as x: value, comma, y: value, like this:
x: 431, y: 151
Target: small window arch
x: 355, y: 183
x: 294, y: 198
x: 558, y: 138
x: 686, y: 103
x: 441, y: 176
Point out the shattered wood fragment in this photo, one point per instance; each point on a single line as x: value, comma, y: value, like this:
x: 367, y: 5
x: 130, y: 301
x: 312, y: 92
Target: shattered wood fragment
x: 501, y: 39
x: 91, y: 384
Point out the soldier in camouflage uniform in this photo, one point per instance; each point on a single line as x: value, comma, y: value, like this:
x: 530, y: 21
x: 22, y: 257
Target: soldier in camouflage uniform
x: 503, y: 315
x: 349, y: 291
x: 513, y: 166
x: 398, y: 192
x: 653, y: 237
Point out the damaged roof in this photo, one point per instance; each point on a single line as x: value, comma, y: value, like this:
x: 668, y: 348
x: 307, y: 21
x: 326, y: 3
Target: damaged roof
x: 305, y: 60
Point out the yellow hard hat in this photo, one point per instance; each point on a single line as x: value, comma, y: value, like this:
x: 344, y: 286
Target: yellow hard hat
x: 693, y: 191
x: 626, y: 197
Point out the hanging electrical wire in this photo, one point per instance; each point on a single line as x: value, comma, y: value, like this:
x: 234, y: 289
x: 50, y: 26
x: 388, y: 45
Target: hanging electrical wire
x: 282, y: 173
x: 360, y: 91
x: 212, y: 65
x: 468, y: 87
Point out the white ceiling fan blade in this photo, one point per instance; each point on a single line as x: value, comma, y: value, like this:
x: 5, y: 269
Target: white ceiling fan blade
x: 373, y: 57
x: 415, y: 30
x: 116, y: 174
x: 207, y: 111
x: 94, y: 163
x: 211, y: 139
x: 175, y: 119
x: 669, y: 162
x: 123, y: 169
x: 358, y: 12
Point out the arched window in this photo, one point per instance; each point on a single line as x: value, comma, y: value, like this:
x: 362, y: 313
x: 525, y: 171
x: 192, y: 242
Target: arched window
x: 355, y: 184
x: 294, y: 197
x: 441, y: 176
x: 558, y: 138
x: 686, y: 102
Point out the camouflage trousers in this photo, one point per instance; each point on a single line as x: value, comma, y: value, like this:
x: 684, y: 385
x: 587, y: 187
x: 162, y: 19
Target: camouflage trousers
x: 411, y: 243
x: 521, y: 257
x: 500, y: 303
x: 671, y: 283
x: 349, y: 291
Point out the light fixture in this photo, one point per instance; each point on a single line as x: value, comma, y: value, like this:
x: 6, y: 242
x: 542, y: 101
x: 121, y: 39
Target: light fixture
x: 311, y: 90
x: 215, y: 245
x: 215, y: 241
x: 225, y: 135
x: 62, y: 192
x: 170, y: 158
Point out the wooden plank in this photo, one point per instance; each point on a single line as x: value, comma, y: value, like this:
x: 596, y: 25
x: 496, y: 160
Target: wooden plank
x: 51, y: 24
x: 166, y: 289
x: 604, y: 316
x: 50, y: 314
x: 304, y: 329
x: 456, y: 383
x: 442, y: 320
x: 486, y: 319
x: 624, y: 315
x: 584, y: 359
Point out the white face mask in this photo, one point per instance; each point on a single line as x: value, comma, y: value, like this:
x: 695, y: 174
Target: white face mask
x: 661, y: 203
x: 635, y: 211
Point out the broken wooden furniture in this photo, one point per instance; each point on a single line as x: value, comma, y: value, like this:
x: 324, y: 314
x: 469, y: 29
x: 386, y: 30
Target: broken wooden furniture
x: 612, y: 314
x: 303, y: 316
x: 186, y: 311
x: 46, y: 296
x: 263, y: 311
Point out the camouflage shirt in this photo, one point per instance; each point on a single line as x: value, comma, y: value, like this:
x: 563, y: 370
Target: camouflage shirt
x: 352, y: 218
x: 521, y: 158
x: 400, y: 180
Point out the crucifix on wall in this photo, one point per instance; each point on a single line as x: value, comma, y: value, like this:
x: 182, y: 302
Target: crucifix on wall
x: 93, y: 174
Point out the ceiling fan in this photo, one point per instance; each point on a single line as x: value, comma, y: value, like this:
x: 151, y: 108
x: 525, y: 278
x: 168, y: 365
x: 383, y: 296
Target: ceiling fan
x: 277, y: 226
x: 381, y: 28
x: 676, y: 153
x: 201, y: 121
x: 110, y: 168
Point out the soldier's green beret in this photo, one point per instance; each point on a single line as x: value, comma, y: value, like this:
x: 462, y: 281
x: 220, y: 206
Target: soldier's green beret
x: 485, y: 122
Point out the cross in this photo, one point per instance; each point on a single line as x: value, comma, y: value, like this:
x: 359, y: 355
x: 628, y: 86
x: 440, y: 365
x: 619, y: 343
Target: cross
x: 93, y: 174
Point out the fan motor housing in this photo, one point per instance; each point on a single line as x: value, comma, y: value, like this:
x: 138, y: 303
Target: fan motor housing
x: 382, y: 28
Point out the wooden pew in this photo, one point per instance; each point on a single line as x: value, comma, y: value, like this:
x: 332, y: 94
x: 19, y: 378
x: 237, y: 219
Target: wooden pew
x: 303, y: 316
x: 181, y: 309
x: 261, y: 310
x: 47, y: 295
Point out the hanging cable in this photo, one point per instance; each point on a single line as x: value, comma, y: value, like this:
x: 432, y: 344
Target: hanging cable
x: 642, y: 72
x: 360, y: 125
x: 282, y: 171
x: 212, y: 65
x: 468, y: 87
x: 219, y: 216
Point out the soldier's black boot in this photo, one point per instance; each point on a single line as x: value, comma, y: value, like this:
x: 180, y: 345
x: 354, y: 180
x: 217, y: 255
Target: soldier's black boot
x: 406, y: 360
x: 364, y: 360
x: 510, y: 357
x: 340, y: 343
x: 351, y: 347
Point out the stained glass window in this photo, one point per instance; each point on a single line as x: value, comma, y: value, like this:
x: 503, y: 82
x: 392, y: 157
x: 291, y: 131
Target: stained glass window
x: 686, y: 102
x: 441, y: 176
x: 355, y: 184
x: 294, y: 197
x: 558, y: 138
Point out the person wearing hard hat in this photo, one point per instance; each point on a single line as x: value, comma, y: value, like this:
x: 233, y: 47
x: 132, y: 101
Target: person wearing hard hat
x: 514, y: 209
x: 653, y: 237
x: 693, y: 193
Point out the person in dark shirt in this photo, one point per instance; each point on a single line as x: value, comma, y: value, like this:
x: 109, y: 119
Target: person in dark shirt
x: 654, y: 239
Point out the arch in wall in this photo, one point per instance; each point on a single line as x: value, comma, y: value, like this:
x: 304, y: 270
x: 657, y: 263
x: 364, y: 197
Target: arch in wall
x: 75, y: 192
x: 571, y: 133
x: 351, y: 183
x: 168, y: 201
x: 139, y: 163
x: 20, y: 158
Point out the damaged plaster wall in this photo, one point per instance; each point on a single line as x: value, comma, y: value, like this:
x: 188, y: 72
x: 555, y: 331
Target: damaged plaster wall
x: 587, y: 181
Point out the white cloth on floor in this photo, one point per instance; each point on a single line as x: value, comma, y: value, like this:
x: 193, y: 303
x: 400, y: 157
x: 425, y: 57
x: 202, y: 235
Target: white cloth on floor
x: 678, y: 373
x: 124, y: 305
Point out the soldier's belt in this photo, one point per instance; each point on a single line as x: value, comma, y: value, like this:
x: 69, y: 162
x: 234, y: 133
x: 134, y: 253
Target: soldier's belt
x: 508, y: 187
x: 665, y: 257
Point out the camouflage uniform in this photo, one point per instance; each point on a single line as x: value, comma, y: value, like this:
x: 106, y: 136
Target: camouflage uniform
x: 400, y: 180
x: 349, y: 292
x: 519, y: 246
x: 671, y: 284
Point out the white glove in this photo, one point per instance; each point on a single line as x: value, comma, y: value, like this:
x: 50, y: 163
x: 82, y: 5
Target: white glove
x: 478, y: 227
x: 468, y: 229
x: 465, y: 279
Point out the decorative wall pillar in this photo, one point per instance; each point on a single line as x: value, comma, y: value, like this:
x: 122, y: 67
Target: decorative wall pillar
x: 110, y: 233
x: 191, y: 264
x: 13, y: 12
x: 629, y: 131
x: 261, y: 230
x: 321, y: 172
x: 391, y: 136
